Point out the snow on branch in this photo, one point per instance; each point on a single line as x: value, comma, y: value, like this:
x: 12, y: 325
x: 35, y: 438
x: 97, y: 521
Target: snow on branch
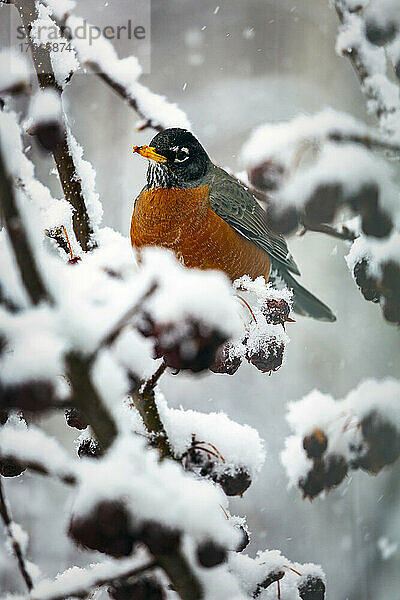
x: 365, y: 29
x: 56, y: 135
x: 332, y: 437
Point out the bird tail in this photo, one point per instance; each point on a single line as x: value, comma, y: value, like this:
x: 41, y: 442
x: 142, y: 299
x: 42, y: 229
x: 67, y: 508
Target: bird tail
x: 304, y: 303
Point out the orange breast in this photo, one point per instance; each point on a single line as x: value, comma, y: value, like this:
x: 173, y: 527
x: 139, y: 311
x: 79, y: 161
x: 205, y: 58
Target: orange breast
x: 183, y: 221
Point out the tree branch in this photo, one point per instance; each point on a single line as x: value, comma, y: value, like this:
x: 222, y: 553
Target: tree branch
x: 7, y: 520
x: 145, y: 403
x: 81, y: 588
x: 125, y: 95
x: 342, y: 234
x: 112, y: 335
x: 65, y: 165
x: 29, y: 271
x: 361, y: 67
x: 40, y: 469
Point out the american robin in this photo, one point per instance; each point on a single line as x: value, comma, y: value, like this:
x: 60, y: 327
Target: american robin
x: 209, y: 219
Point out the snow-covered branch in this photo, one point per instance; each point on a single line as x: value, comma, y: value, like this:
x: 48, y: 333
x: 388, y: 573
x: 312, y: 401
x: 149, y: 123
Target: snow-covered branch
x: 56, y: 137
x: 14, y: 541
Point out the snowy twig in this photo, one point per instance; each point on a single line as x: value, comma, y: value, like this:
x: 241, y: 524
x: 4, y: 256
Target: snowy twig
x: 19, y: 240
x: 364, y: 140
x: 358, y: 53
x: 145, y: 403
x: 80, y: 587
x: 41, y: 469
x: 112, y: 335
x: 65, y: 165
x: 86, y: 398
x: 125, y: 95
x: 16, y: 547
x: 341, y: 233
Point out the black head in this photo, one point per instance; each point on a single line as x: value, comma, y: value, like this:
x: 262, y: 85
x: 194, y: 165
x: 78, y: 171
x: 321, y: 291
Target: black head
x: 177, y: 159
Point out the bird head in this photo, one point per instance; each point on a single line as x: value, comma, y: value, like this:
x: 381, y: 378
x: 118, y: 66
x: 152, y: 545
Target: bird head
x: 176, y: 158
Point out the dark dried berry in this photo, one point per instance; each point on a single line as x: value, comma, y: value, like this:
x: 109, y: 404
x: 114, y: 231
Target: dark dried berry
x: 282, y: 219
x: 107, y: 528
x: 10, y: 467
x: 380, y: 33
x: 391, y: 279
x: 89, y: 448
x: 383, y: 442
x: 311, y: 588
x: 141, y: 589
x: 48, y: 134
x: 210, y: 554
x: 321, y: 206
x: 75, y: 418
x: 378, y: 224
x: 266, y: 176
x: 160, y: 539
x: 267, y: 358
x: 234, y: 483
x: 269, y: 580
x: 315, y: 444
x: 244, y: 541
x: 314, y: 482
x: 74, y: 260
x: 366, y: 283
x: 391, y: 311
x: 365, y: 199
x: 33, y: 396
x: 224, y: 362
x: 185, y: 345
x: 336, y: 469
x: 276, y: 312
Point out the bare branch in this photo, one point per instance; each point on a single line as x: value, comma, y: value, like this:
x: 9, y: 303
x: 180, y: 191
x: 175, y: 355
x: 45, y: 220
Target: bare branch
x: 40, y: 469
x: 65, y: 165
x: 341, y: 233
x: 7, y: 520
x: 364, y: 140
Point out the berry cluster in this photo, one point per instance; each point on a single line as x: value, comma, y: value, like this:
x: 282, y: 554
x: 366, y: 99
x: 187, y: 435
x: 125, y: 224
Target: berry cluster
x: 360, y: 432
x: 328, y: 470
x: 187, y: 345
x: 259, y: 347
x: 110, y: 528
x: 206, y: 461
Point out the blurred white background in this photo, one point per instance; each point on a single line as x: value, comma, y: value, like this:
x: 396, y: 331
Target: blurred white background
x: 231, y: 69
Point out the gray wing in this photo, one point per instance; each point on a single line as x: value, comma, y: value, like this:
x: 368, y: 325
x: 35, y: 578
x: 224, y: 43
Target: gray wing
x: 231, y: 201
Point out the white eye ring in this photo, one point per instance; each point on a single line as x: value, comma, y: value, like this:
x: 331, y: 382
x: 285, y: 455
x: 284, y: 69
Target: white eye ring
x: 185, y: 150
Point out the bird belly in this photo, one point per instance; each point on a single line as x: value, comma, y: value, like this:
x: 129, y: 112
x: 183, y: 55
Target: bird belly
x: 183, y: 221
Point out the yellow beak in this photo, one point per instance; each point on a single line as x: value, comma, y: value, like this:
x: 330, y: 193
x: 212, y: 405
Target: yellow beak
x: 150, y: 153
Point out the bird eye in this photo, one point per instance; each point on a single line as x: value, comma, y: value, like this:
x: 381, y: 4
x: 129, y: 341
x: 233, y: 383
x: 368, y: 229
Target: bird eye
x: 182, y: 154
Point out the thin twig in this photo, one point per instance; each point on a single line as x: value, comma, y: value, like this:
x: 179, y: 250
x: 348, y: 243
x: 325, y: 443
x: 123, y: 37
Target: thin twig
x: 364, y: 140
x: 41, y: 469
x: 145, y: 403
x: 16, y: 547
x: 112, y: 335
x: 125, y: 95
x: 65, y: 165
x: 342, y: 234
